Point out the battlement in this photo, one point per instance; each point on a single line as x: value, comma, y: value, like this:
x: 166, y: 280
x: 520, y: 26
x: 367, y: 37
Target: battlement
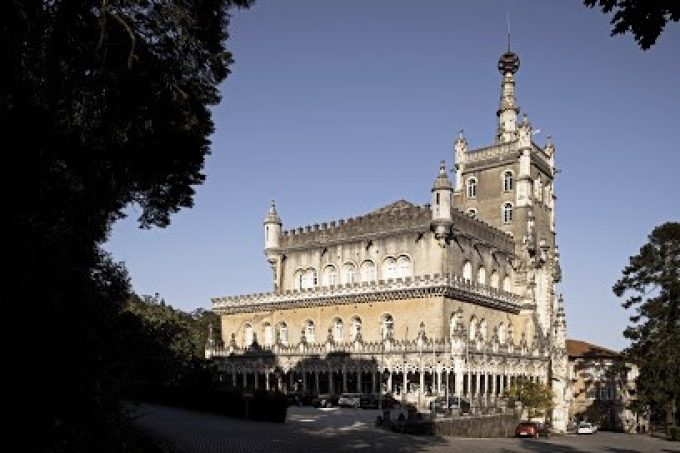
x: 398, y: 215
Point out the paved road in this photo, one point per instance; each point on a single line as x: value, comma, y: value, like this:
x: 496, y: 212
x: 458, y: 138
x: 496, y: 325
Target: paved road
x: 330, y: 430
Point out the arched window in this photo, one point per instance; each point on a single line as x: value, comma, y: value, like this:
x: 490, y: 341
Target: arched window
x: 298, y: 278
x: 481, y: 275
x: 404, y: 266
x: 283, y: 333
x: 472, y: 212
x: 308, y: 279
x: 387, y: 326
x: 507, y: 213
x: 349, y: 272
x: 356, y: 327
x: 389, y: 268
x: 494, y: 279
x: 506, y: 283
x: 247, y: 334
x: 337, y: 329
x: 467, y: 270
x: 508, y: 183
x: 453, y: 323
x: 330, y: 276
x: 368, y: 271
x: 502, y: 333
x: 309, y: 331
x: 483, y: 329
x: 268, y: 334
x: 472, y: 330
x: 472, y: 187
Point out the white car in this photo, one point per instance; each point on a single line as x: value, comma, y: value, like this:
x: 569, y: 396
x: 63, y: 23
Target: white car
x: 349, y: 400
x: 586, y: 428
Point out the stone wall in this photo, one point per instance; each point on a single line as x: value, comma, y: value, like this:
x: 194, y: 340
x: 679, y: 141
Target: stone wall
x: 499, y: 425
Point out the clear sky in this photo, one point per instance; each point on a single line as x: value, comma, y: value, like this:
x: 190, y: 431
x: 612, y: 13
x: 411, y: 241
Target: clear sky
x: 336, y: 108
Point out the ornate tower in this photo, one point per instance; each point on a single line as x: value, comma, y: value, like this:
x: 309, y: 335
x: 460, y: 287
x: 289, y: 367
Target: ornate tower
x: 442, y: 192
x: 507, y: 112
x: 272, y: 243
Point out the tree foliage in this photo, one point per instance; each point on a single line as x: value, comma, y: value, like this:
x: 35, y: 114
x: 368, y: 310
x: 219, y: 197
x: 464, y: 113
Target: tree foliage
x: 161, y: 344
x: 645, y: 19
x: 651, y: 282
x: 102, y: 104
x: 536, y: 398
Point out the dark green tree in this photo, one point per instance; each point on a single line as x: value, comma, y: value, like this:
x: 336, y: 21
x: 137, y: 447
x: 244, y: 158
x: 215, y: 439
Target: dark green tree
x: 645, y: 19
x: 103, y: 104
x: 651, y: 281
x: 536, y: 398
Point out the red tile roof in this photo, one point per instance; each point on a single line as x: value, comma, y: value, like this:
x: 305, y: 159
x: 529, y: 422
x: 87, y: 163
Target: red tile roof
x: 578, y: 348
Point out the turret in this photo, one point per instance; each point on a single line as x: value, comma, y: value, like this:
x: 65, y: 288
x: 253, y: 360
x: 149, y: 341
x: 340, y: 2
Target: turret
x: 442, y: 192
x: 272, y: 229
x: 508, y: 64
x: 461, y: 149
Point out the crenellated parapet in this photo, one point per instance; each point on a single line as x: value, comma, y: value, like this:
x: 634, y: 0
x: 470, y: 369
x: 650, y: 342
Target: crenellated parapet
x: 400, y: 215
x: 448, y: 285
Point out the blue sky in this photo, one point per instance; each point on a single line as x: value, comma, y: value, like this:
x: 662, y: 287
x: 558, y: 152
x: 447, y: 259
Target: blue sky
x: 337, y: 108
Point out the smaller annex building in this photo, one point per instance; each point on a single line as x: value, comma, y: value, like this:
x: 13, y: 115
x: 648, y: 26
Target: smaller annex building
x: 602, y: 387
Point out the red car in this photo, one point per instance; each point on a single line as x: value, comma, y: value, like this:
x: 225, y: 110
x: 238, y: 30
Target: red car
x: 527, y: 429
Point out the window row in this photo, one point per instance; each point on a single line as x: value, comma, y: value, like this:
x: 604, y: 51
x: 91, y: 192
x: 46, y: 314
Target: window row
x: 507, y: 184
x: 478, y: 328
x: 506, y: 212
x: 392, y: 268
x: 337, y: 331
x: 494, y: 278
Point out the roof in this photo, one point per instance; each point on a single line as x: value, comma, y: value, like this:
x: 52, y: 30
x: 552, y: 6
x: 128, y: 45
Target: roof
x: 583, y: 349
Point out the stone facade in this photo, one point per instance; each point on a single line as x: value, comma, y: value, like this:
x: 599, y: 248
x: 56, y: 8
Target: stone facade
x: 603, y: 386
x: 456, y: 296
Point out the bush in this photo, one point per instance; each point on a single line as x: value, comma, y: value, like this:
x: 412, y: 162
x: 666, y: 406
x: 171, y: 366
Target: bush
x: 674, y: 433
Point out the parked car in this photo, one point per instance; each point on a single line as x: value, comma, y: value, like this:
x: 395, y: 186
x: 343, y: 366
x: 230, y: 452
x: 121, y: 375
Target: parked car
x: 527, y: 429
x: 439, y: 404
x: 372, y: 401
x: 586, y: 428
x: 325, y: 400
x: 349, y: 400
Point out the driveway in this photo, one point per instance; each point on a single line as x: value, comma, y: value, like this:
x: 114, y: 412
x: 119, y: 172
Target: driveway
x: 328, y: 430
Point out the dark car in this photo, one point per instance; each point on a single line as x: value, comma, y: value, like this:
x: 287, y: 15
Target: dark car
x: 527, y: 429
x: 325, y: 400
x: 455, y: 403
x: 371, y: 401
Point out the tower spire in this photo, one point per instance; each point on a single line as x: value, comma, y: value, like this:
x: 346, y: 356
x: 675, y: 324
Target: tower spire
x: 508, y: 64
x: 508, y: 19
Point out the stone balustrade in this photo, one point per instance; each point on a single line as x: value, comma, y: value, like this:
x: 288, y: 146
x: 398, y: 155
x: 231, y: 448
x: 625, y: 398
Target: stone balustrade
x: 448, y: 285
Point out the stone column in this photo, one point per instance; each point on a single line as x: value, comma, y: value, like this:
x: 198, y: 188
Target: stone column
x: 344, y: 379
x: 493, y: 385
x: 304, y: 380
x: 233, y: 377
x: 256, y: 376
x: 279, y: 382
x: 405, y: 387
x: 266, y: 380
x: 469, y: 383
x: 389, y: 382
x: 358, y: 381
x: 422, y: 382
x: 478, y: 379
x: 316, y: 381
x: 439, y: 381
x: 373, y: 381
x: 331, y: 379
